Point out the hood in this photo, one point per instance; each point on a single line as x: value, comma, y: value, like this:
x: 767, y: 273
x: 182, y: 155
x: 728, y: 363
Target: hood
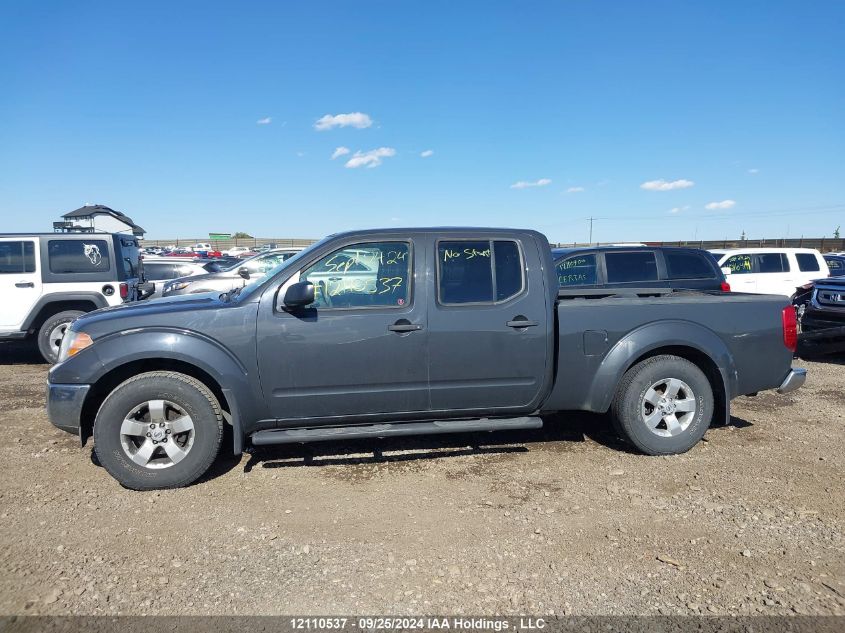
x: 141, y: 313
x: 831, y: 282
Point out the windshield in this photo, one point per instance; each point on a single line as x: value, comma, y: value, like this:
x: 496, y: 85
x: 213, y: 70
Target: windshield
x: 250, y: 288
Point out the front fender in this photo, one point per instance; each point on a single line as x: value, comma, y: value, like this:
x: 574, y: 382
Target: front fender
x: 113, y: 351
x: 652, y: 336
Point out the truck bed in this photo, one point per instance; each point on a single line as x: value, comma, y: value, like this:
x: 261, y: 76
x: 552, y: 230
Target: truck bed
x: 595, y: 343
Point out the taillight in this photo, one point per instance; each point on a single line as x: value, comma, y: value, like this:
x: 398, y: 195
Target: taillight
x: 790, y: 328
x: 124, y: 291
x: 726, y: 287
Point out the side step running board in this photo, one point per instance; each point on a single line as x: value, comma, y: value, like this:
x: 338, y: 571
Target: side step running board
x: 391, y: 429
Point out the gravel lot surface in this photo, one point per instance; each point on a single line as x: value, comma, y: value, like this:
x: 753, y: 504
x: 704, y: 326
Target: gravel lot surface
x: 564, y: 520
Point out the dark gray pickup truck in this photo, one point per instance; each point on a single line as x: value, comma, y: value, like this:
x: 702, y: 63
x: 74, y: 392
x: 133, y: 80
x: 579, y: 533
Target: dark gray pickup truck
x: 373, y: 334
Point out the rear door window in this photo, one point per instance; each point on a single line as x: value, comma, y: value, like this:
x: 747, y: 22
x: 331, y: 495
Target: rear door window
x: 78, y: 256
x: 772, y: 263
x: 807, y: 262
x: 740, y: 264
x: 630, y: 267
x: 577, y: 270
x: 17, y: 257
x: 681, y: 265
x: 478, y: 271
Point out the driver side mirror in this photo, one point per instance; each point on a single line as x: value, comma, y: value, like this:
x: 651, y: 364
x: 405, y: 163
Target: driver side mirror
x: 243, y: 271
x: 726, y: 271
x: 299, y: 294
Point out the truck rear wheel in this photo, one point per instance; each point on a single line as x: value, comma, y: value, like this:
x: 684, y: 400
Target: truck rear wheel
x: 52, y: 331
x: 160, y: 429
x: 663, y: 405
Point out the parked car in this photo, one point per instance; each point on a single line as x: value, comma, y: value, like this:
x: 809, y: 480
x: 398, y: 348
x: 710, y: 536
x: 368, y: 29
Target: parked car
x: 464, y: 330
x: 226, y: 279
x: 49, y: 279
x: 639, y: 267
x: 159, y: 270
x: 777, y: 271
x: 820, y: 306
x: 835, y: 264
x: 235, y: 251
x: 201, y: 246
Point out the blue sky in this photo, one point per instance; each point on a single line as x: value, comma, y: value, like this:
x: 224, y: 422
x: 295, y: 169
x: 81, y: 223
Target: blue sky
x: 200, y: 116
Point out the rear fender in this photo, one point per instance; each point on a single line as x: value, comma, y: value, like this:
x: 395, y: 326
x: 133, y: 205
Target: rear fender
x: 650, y: 338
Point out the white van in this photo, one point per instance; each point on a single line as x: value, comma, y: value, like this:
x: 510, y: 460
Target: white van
x: 771, y: 271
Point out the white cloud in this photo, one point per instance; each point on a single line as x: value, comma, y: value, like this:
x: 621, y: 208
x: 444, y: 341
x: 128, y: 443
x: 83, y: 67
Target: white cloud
x: 666, y: 185
x: 753, y: 170
x: 575, y: 190
x: 524, y: 184
x: 352, y: 119
x: 679, y: 209
x: 340, y: 151
x: 724, y: 204
x: 265, y: 121
x: 371, y: 158
x: 427, y: 153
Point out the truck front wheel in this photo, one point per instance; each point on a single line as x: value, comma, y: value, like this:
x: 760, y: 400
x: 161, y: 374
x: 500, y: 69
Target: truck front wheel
x: 664, y: 405
x: 160, y: 429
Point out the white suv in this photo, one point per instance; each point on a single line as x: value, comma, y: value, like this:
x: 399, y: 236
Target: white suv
x: 772, y: 271
x: 49, y: 279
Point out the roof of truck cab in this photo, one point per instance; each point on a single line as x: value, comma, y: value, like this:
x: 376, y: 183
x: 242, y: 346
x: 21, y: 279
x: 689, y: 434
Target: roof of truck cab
x: 434, y: 229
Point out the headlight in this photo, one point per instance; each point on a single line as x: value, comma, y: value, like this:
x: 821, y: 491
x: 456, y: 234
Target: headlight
x: 73, y: 343
x: 176, y: 285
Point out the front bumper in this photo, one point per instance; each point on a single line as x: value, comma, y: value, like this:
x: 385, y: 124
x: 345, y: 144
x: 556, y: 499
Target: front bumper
x: 64, y: 406
x: 795, y: 379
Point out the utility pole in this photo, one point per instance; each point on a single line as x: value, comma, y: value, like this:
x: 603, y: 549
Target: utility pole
x: 591, y: 229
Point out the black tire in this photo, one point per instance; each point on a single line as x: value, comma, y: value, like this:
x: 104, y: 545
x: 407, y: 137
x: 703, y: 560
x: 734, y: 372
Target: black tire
x: 630, y: 408
x: 188, y: 397
x: 48, y: 344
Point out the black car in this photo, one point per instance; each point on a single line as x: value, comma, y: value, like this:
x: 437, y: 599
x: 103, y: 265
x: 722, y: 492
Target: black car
x: 822, y: 316
x: 638, y: 267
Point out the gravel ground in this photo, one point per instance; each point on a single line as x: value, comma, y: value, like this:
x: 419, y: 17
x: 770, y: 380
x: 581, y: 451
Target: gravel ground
x: 564, y: 520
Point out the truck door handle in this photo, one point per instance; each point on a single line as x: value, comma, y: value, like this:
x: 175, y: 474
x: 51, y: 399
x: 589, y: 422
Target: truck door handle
x: 24, y: 284
x: 404, y: 325
x: 521, y: 322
